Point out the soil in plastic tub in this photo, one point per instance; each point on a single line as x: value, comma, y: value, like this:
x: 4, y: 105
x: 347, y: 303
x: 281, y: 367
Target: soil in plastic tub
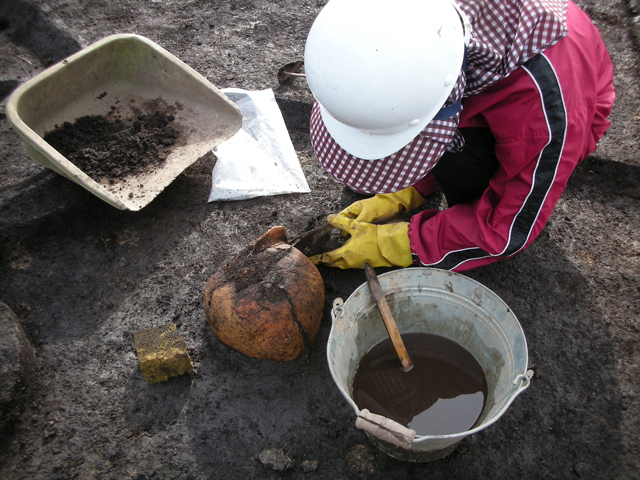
x: 112, y: 146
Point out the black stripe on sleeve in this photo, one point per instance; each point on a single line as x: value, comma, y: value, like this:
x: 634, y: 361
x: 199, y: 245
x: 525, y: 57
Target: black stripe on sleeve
x: 543, y: 75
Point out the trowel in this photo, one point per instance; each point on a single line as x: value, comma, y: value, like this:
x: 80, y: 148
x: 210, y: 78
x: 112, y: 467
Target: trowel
x: 319, y: 240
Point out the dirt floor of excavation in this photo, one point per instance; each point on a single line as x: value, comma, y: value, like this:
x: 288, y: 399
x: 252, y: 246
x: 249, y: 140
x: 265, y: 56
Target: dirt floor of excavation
x: 82, y: 277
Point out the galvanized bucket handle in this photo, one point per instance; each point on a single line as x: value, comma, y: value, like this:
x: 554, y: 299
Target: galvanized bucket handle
x: 385, y: 429
x: 524, y: 379
x: 337, y: 309
x: 522, y: 382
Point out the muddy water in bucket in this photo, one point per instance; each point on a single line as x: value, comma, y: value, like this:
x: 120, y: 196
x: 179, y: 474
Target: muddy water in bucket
x: 437, y: 302
x: 443, y: 393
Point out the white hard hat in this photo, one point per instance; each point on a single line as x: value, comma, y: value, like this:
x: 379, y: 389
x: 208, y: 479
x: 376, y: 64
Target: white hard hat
x: 382, y: 69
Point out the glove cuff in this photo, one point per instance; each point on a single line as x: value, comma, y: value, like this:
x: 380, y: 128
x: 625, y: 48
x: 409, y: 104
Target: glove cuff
x: 393, y: 242
x: 413, y: 198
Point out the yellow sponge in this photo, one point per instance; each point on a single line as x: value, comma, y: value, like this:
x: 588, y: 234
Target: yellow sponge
x: 162, y: 353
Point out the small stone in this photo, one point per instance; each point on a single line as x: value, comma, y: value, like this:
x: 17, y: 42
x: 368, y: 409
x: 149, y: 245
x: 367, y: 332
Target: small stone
x: 49, y: 431
x: 276, y: 459
x: 361, y: 460
x: 309, y: 466
x: 162, y: 353
x: 17, y: 367
x: 580, y: 469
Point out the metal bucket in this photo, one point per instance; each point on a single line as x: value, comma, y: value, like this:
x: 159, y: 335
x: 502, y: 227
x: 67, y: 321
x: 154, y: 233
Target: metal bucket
x: 427, y: 300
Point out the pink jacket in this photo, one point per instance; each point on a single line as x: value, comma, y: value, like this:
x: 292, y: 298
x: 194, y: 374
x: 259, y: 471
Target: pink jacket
x: 547, y: 116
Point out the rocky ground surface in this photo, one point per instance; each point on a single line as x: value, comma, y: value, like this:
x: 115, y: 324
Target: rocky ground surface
x: 82, y: 277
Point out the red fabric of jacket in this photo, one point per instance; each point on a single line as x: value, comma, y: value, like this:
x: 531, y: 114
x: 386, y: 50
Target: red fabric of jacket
x: 546, y: 117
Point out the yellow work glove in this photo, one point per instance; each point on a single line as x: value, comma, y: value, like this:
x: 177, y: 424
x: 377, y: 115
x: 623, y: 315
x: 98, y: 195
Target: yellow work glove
x: 384, y: 206
x: 379, y: 245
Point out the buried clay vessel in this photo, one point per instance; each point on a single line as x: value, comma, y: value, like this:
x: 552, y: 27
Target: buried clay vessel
x: 267, y: 302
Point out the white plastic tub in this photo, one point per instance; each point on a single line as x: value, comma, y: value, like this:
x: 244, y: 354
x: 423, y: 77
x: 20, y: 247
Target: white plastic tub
x: 124, y: 72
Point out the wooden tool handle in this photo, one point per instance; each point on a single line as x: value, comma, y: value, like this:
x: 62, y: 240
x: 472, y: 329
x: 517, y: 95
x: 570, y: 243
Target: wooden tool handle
x: 387, y: 317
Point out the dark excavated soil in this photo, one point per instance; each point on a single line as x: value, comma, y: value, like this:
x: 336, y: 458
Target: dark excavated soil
x: 105, y: 147
x: 245, y: 271
x: 83, y: 277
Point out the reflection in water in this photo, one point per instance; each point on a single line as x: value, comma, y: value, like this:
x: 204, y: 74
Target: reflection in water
x: 444, y: 393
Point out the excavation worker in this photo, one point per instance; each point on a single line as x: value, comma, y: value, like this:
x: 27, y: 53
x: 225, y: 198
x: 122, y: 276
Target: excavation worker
x: 494, y: 101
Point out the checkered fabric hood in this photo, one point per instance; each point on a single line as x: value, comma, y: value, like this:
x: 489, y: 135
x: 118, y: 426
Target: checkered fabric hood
x: 504, y: 35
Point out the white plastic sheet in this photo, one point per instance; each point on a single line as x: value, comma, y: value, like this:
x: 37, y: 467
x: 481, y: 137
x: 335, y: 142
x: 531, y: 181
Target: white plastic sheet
x: 260, y: 159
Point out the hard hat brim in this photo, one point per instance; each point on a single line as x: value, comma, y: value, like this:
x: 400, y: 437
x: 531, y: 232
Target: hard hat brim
x: 392, y: 173
x: 368, y: 145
